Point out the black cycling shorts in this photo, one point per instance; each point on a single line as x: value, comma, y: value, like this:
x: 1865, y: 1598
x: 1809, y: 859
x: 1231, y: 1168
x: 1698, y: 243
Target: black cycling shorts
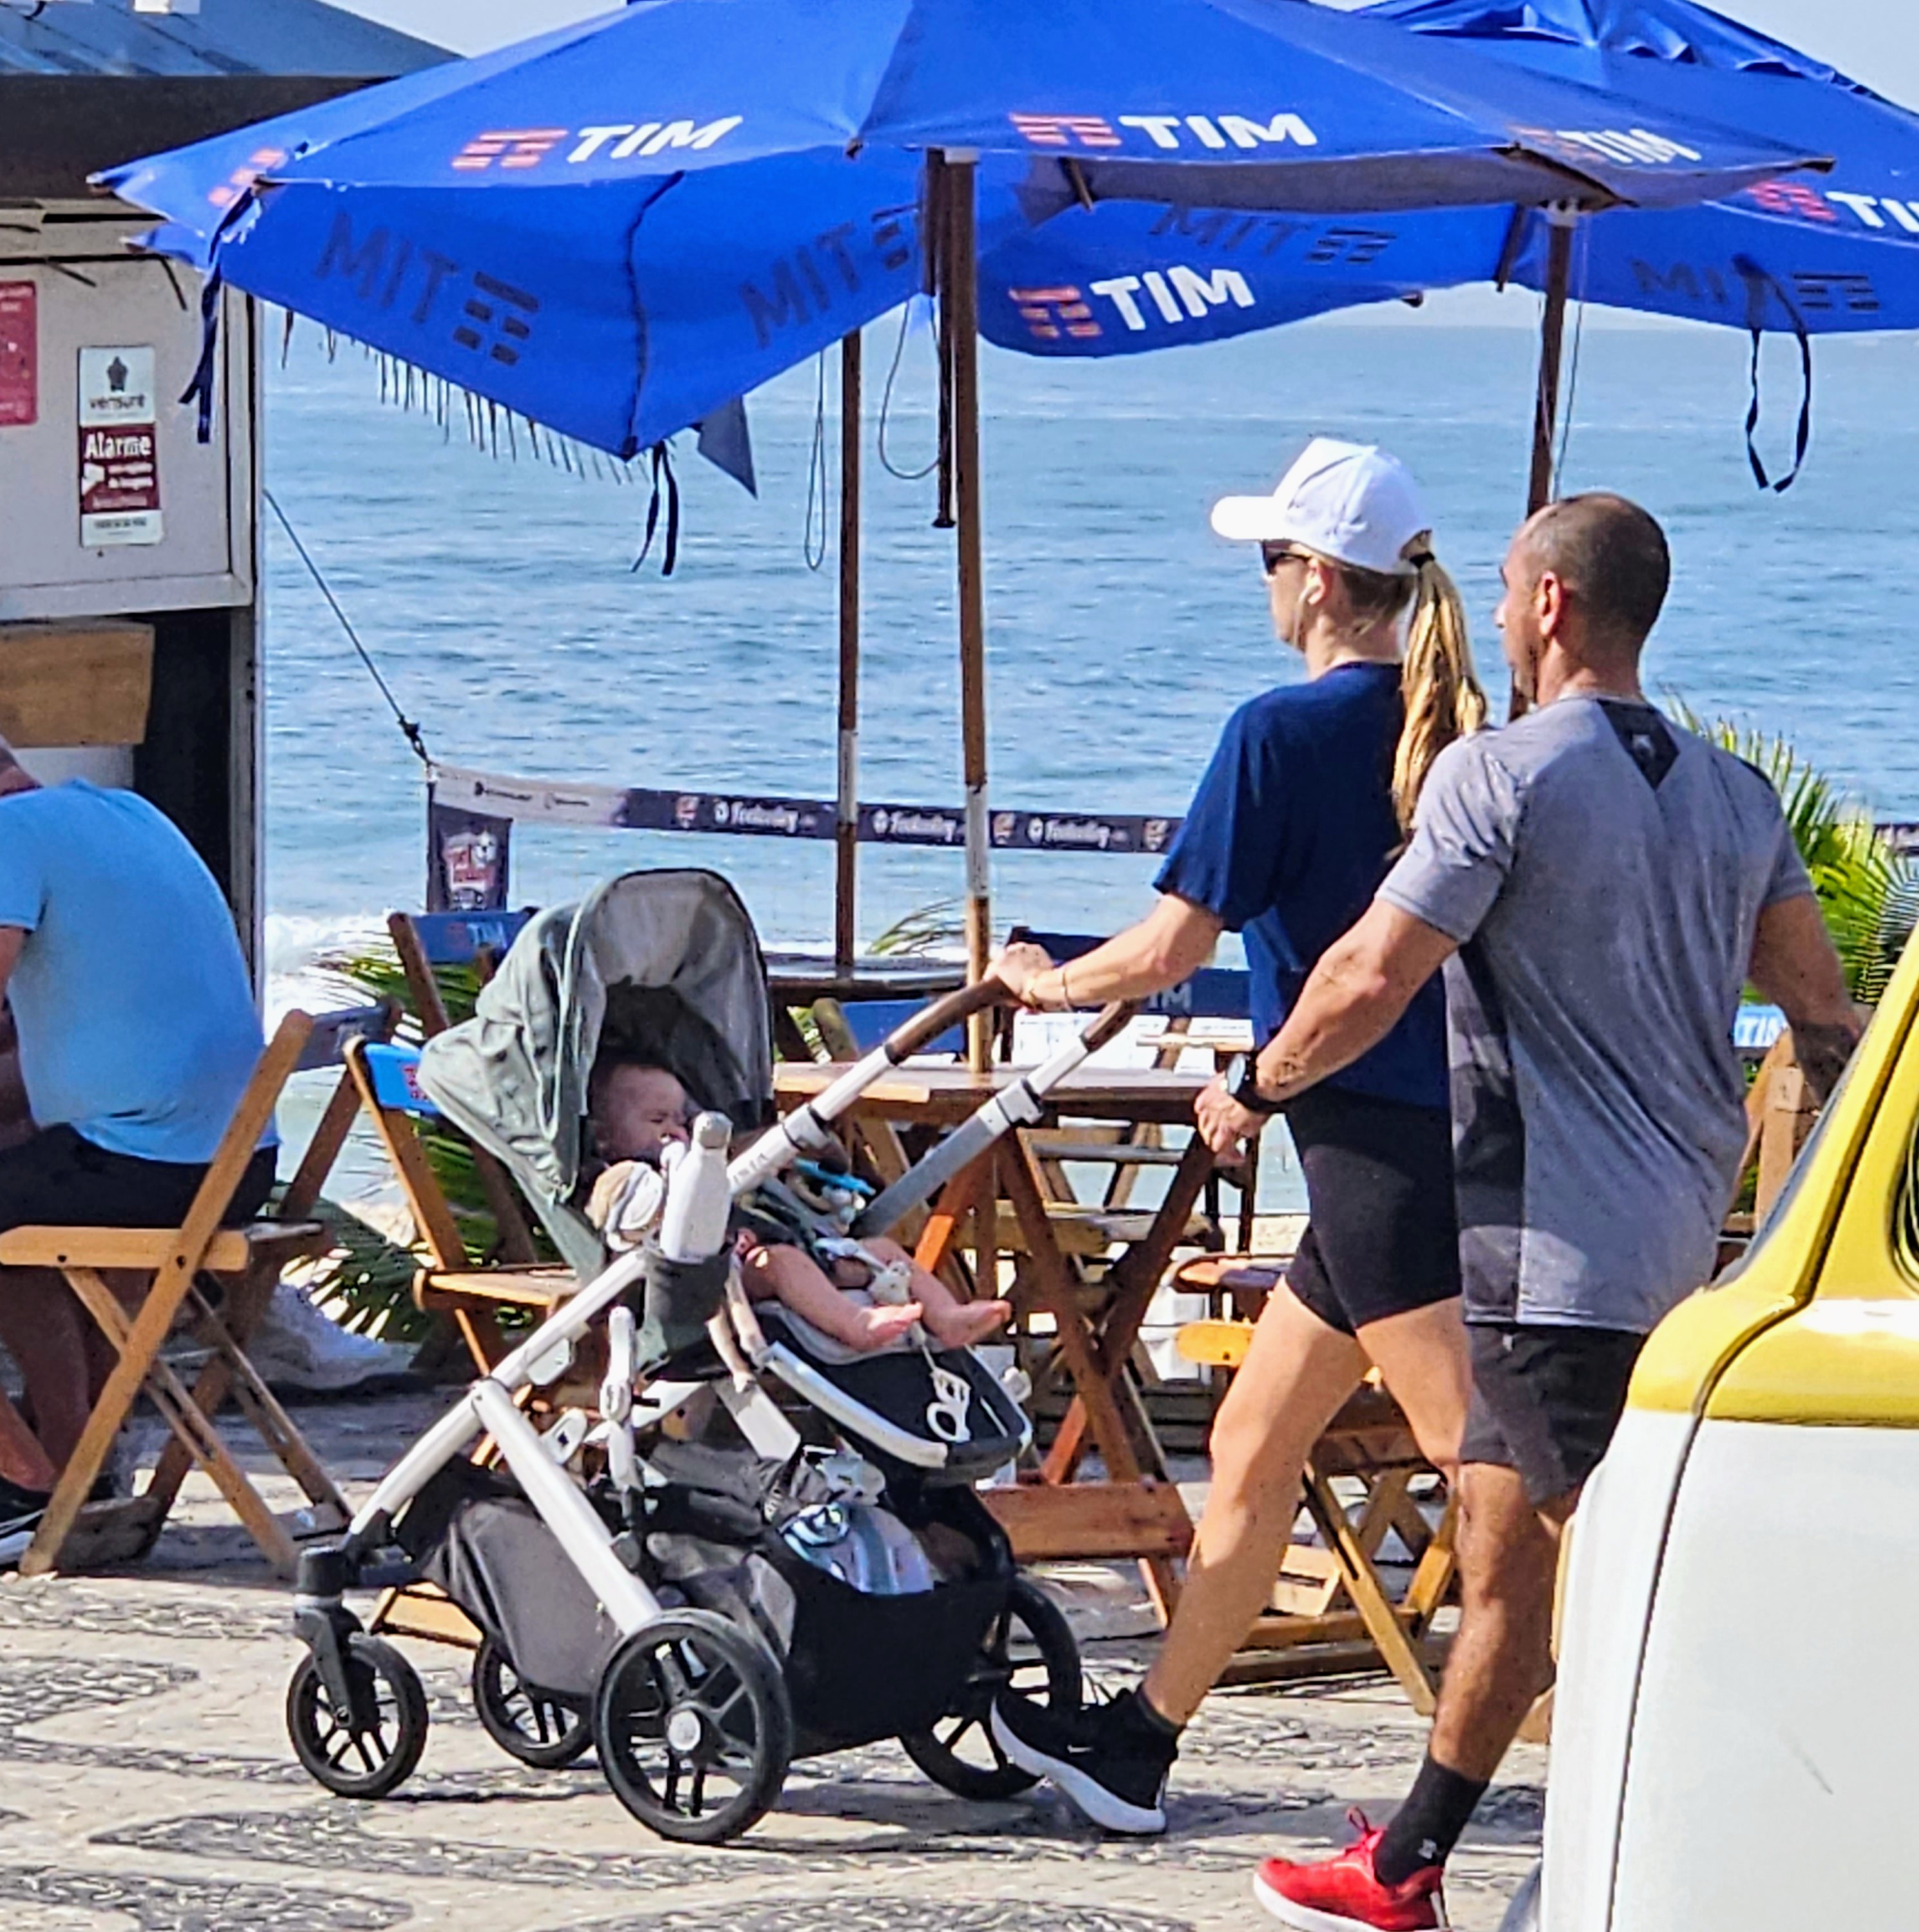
x: 1382, y: 1236
x: 59, y: 1180
x: 1546, y: 1400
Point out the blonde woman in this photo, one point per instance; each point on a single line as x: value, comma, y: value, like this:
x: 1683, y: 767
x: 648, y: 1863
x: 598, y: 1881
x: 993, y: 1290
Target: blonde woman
x: 1307, y: 798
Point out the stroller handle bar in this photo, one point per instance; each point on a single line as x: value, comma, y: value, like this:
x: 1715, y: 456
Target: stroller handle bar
x: 915, y: 1034
x: 1021, y: 1103
x: 807, y: 1129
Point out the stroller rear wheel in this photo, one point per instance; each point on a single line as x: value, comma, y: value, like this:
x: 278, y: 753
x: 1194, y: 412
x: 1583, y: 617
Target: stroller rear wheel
x: 531, y: 1725
x: 693, y: 1728
x: 1029, y: 1649
x: 364, y: 1761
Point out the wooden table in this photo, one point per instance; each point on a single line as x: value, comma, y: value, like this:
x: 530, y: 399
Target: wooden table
x: 1137, y: 1512
x: 799, y: 978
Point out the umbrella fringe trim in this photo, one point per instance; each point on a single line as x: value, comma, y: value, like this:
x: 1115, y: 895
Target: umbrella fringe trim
x: 464, y: 414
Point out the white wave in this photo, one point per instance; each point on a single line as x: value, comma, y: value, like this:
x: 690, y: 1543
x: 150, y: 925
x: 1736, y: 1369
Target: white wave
x: 295, y: 946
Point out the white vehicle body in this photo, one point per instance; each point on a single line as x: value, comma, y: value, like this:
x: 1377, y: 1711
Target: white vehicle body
x: 1736, y: 1739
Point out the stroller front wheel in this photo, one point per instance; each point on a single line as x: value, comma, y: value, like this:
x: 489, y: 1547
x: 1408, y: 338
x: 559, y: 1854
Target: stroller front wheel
x: 373, y: 1757
x: 529, y: 1724
x: 693, y: 1728
x: 1029, y: 1650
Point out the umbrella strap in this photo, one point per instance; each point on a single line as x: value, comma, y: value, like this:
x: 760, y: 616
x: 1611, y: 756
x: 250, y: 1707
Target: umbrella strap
x: 206, y: 373
x: 1759, y: 284
x: 206, y: 384
x: 666, y: 487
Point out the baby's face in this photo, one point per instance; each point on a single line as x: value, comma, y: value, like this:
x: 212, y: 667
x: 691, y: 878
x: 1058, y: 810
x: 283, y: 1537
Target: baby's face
x: 641, y: 1109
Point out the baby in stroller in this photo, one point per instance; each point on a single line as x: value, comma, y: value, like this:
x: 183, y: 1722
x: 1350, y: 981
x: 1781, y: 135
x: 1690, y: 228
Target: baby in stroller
x: 865, y: 1296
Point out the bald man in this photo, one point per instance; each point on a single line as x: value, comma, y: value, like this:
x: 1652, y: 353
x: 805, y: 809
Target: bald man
x: 1599, y: 886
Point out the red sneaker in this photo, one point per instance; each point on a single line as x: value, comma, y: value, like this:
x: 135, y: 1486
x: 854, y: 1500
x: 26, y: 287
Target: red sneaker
x: 1341, y: 1894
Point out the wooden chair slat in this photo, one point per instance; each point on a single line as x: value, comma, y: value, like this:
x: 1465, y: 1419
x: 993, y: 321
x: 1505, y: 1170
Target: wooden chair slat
x: 251, y: 1259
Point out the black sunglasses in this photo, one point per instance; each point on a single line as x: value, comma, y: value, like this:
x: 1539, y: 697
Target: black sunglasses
x: 1273, y: 555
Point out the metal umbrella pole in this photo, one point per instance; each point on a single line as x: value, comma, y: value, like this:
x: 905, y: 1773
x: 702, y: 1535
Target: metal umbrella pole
x: 1552, y: 350
x: 1561, y: 218
x: 959, y: 297
x: 846, y: 826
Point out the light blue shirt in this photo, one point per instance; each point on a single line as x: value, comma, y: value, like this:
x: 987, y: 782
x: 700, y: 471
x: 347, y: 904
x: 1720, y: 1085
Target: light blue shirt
x: 136, y: 1015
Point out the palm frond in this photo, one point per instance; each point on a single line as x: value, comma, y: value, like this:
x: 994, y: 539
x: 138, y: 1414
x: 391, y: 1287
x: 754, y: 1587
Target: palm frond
x: 1868, y: 892
x: 927, y: 928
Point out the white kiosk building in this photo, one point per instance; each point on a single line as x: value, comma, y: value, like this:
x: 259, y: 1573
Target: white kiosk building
x: 129, y: 551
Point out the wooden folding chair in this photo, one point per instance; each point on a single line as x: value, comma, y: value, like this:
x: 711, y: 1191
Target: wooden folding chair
x: 1331, y: 1610
x: 426, y: 942
x: 451, y: 1282
x: 247, y: 1263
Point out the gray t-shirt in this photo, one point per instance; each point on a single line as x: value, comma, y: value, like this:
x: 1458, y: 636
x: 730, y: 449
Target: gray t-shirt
x: 1603, y: 872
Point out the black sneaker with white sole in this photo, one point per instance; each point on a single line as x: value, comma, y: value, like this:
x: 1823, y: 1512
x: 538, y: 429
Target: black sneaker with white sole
x: 1111, y: 1760
x: 20, y: 1509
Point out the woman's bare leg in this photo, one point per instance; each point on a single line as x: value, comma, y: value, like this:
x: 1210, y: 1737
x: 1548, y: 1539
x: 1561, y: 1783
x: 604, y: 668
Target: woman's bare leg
x: 792, y: 1277
x: 1297, y: 1374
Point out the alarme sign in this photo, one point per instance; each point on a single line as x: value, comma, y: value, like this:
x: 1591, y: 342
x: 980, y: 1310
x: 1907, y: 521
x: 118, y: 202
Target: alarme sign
x: 119, y: 449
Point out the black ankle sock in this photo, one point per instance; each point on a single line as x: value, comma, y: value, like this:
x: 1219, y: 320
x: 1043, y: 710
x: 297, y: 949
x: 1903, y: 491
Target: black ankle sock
x: 1149, y: 1720
x: 1426, y: 1828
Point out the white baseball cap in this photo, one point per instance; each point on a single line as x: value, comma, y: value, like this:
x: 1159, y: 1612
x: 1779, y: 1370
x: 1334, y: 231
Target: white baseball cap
x: 1347, y: 501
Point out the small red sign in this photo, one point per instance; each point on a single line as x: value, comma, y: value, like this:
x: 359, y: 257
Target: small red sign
x: 119, y: 470
x: 20, y: 354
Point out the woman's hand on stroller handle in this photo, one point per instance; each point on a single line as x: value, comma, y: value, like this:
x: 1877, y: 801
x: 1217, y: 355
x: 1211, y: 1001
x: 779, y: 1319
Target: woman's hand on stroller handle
x: 1017, y: 967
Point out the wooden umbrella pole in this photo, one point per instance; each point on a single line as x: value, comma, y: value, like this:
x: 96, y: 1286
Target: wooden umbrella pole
x: 846, y: 827
x: 960, y: 294
x: 1552, y: 353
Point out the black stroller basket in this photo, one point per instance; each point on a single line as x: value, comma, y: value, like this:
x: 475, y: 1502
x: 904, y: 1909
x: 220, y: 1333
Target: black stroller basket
x: 725, y: 1534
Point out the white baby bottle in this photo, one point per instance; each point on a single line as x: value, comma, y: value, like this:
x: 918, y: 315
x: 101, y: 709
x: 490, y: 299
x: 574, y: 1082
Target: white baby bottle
x: 699, y: 1201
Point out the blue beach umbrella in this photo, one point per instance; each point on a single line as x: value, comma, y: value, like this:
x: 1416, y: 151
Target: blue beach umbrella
x: 662, y: 207
x: 1837, y: 253
x: 1793, y: 253
x: 1787, y: 253
x: 622, y: 225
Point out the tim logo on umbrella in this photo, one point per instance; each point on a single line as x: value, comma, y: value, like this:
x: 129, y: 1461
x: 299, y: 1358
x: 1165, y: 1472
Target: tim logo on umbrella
x: 1094, y: 132
x: 513, y: 150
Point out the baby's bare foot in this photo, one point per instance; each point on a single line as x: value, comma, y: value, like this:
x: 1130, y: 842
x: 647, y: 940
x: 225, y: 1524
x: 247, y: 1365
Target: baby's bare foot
x: 967, y: 1322
x: 880, y: 1328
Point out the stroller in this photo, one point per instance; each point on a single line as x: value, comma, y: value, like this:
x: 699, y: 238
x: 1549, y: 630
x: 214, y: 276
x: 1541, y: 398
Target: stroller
x: 699, y: 1611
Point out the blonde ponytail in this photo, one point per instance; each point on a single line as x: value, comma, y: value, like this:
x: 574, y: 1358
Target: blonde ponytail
x: 1442, y: 697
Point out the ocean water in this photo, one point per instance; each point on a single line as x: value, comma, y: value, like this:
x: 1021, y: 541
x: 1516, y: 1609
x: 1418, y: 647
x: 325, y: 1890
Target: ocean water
x: 499, y: 598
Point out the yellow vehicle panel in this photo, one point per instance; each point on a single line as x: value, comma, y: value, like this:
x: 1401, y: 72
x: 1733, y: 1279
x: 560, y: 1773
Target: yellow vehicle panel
x: 1782, y: 1338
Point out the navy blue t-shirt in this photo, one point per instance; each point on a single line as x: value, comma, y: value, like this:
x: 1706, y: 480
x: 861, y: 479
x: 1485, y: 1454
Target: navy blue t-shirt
x: 1286, y: 842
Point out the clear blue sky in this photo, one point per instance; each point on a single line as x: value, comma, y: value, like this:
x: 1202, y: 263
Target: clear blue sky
x: 1876, y: 41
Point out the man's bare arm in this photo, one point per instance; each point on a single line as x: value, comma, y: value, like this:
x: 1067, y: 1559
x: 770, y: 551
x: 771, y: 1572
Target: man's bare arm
x: 1796, y: 966
x: 1354, y: 997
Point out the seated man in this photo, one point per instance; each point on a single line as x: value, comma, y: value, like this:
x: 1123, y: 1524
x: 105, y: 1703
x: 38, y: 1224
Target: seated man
x: 637, y: 1108
x: 137, y: 1035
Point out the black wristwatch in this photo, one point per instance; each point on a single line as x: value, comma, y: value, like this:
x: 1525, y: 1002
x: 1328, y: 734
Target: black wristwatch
x: 1243, y: 1083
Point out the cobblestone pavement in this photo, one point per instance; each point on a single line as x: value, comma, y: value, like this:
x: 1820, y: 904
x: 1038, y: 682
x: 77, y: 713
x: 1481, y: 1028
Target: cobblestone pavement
x: 146, y: 1781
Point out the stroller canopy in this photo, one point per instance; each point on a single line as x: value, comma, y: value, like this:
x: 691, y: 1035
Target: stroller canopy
x: 662, y: 966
